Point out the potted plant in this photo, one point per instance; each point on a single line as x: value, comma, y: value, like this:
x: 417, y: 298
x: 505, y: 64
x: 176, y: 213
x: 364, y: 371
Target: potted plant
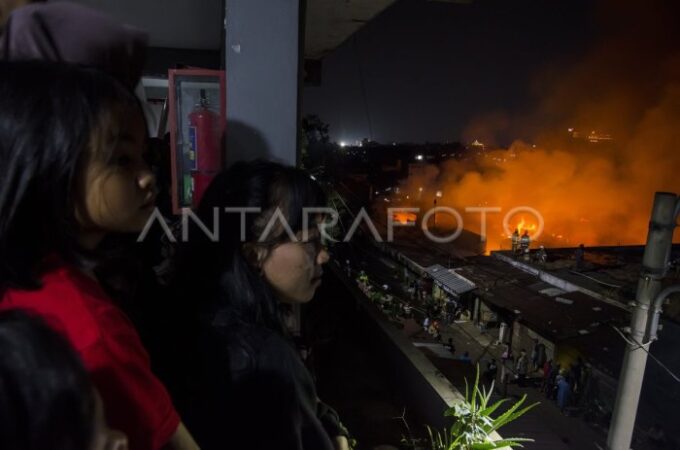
x: 474, y: 423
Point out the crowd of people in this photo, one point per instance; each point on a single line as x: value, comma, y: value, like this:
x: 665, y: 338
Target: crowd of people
x: 96, y: 353
x: 564, y: 385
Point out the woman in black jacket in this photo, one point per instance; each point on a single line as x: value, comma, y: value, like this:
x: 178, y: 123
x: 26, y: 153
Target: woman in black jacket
x: 248, y: 260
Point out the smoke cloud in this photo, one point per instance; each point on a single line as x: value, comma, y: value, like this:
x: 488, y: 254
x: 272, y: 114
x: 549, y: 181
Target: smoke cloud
x: 588, y: 188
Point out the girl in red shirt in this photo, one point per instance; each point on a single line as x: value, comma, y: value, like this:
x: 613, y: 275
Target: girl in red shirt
x: 72, y: 146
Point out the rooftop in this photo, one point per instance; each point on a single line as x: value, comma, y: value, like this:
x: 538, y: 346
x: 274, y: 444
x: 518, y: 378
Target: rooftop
x: 611, y: 272
x: 449, y: 280
x: 550, y: 311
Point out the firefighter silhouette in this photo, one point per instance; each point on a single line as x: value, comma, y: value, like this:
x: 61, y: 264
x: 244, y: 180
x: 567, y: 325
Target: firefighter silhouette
x: 579, y: 255
x: 515, y: 241
x: 541, y: 256
x: 524, y: 242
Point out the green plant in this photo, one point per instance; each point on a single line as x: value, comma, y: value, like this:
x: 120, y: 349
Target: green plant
x: 474, y: 422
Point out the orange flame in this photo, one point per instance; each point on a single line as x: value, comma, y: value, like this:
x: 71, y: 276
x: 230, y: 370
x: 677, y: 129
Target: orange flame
x: 591, y: 188
x: 405, y: 218
x: 522, y: 226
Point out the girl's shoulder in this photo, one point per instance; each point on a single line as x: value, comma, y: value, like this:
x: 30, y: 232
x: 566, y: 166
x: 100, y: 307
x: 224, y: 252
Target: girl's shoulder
x: 253, y: 348
x: 71, y: 302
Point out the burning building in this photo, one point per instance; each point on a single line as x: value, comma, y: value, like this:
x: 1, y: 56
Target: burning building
x: 623, y: 96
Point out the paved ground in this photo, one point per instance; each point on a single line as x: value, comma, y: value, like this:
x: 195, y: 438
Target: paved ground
x: 546, y: 424
x: 550, y: 428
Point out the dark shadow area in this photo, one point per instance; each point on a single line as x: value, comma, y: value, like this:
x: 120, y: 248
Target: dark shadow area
x: 245, y: 143
x: 349, y: 375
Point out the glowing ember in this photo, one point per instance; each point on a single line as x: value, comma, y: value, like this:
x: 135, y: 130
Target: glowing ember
x: 405, y: 218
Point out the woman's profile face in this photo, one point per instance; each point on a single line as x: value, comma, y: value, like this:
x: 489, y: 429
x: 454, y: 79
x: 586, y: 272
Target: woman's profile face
x: 294, y: 269
x: 119, y: 191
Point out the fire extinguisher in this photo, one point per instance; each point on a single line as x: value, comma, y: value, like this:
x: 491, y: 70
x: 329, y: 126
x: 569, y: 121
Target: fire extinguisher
x: 204, y: 134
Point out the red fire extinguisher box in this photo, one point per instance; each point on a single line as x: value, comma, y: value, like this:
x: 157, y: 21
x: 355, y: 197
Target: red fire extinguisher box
x: 197, y: 120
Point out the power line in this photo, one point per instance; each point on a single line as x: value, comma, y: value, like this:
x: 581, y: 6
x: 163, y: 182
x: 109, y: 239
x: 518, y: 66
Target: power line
x: 633, y: 343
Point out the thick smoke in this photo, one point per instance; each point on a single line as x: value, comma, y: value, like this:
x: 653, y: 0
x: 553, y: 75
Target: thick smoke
x: 598, y: 193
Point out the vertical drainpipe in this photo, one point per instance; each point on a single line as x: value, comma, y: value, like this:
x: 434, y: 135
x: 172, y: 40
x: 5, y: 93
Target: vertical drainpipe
x: 302, y: 23
x: 302, y: 15
x: 654, y: 265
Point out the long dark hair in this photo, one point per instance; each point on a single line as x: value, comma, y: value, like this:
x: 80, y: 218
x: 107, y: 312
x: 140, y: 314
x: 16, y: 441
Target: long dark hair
x: 46, y: 398
x: 48, y: 115
x: 220, y: 273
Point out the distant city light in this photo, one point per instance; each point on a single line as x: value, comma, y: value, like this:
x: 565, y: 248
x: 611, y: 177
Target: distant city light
x: 343, y: 144
x: 419, y: 157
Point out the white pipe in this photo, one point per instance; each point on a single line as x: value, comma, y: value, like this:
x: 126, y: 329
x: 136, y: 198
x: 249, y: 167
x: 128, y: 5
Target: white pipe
x: 656, y: 313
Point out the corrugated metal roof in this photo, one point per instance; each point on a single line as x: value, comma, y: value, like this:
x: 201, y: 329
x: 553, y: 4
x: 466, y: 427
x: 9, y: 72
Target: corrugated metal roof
x: 449, y: 280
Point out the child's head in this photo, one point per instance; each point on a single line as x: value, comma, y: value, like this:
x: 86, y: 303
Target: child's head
x: 46, y: 398
x: 72, y: 144
x: 115, y: 188
x: 256, y: 258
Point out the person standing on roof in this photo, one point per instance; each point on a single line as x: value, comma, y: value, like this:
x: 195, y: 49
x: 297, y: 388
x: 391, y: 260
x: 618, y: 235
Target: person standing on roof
x: 580, y: 256
x: 525, y: 241
x: 541, y: 256
x: 515, y: 241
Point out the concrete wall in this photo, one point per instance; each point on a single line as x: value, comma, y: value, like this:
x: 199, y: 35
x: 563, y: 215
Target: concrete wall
x: 262, y: 43
x: 425, y: 388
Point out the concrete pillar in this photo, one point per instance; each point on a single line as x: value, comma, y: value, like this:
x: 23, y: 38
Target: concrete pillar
x: 654, y: 266
x: 262, y: 69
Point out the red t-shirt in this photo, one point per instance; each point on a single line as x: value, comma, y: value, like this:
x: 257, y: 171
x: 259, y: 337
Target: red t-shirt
x: 135, y: 401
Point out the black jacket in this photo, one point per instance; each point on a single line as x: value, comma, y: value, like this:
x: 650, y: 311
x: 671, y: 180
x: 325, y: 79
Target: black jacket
x: 255, y: 393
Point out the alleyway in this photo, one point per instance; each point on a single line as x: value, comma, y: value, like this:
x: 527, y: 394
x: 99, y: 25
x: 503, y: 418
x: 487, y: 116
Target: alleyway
x: 549, y: 427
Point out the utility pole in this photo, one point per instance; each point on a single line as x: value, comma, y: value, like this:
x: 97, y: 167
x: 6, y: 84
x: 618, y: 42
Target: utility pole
x: 654, y: 266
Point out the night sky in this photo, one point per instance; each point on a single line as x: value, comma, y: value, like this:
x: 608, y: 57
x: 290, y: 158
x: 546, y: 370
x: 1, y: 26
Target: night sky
x: 431, y: 68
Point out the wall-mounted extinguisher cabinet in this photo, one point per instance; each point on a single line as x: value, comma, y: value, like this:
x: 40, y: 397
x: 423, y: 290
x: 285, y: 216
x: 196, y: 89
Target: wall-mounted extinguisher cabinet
x: 197, y: 118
